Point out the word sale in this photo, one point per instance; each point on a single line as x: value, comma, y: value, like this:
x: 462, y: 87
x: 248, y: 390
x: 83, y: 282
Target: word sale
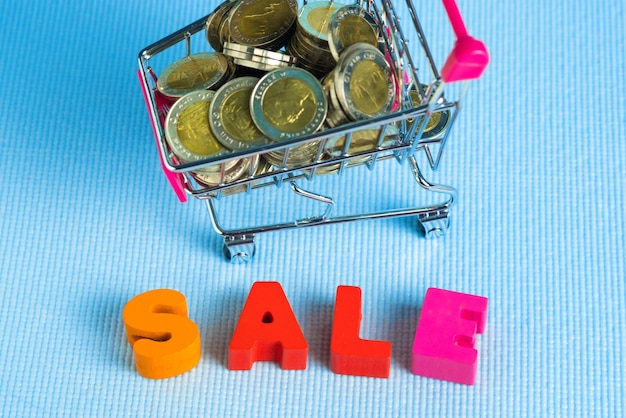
x: 166, y: 342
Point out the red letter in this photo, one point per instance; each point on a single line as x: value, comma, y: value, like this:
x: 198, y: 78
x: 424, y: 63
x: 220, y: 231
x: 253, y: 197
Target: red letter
x: 349, y: 354
x: 267, y: 331
x: 444, y: 341
x: 165, y: 342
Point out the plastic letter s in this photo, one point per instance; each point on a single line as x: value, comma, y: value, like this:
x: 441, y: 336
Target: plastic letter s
x: 165, y: 341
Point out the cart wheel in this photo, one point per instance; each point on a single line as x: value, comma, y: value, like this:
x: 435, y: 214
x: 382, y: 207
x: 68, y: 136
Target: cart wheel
x: 239, y: 249
x: 435, y: 225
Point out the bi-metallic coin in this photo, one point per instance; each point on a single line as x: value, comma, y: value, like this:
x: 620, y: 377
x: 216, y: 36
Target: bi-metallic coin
x: 438, y: 121
x: 230, y: 118
x: 314, y: 18
x: 261, y: 22
x: 194, y: 72
x: 349, y: 25
x: 364, y: 83
x: 238, y: 170
x: 187, y: 130
x: 288, y: 103
x: 214, y: 24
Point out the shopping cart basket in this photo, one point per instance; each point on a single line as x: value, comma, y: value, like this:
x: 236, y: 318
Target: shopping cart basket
x: 407, y: 124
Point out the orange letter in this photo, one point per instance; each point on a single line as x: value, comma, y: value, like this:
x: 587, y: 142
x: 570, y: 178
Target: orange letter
x: 350, y: 354
x: 165, y: 342
x: 267, y: 331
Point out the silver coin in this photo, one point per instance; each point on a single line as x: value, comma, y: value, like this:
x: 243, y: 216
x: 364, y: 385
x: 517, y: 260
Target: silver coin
x: 259, y: 52
x: 264, y: 67
x: 230, y: 118
x: 256, y: 59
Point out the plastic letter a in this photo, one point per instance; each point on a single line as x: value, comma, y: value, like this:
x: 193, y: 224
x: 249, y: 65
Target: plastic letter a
x: 267, y: 331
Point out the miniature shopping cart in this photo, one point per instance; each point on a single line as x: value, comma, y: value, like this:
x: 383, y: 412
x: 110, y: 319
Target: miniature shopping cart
x: 408, y: 122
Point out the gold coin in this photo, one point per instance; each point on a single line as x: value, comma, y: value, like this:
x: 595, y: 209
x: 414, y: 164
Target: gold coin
x: 193, y: 72
x: 298, y: 155
x: 187, y: 130
x: 313, y: 20
x: 416, y: 99
x: 240, y: 169
x: 369, y: 87
x: 214, y: 24
x: 194, y: 132
x: 310, y: 56
x: 361, y: 141
x: 355, y: 29
x: 235, y: 116
x: 289, y: 104
x: 262, y: 167
x: 261, y: 22
x: 438, y: 121
x: 319, y: 18
x: 363, y: 82
x: 350, y: 25
x: 230, y: 118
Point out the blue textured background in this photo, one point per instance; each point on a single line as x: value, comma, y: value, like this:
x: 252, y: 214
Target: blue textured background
x: 87, y: 222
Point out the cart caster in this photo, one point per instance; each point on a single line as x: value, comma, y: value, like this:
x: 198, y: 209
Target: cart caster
x: 239, y: 249
x: 435, y: 224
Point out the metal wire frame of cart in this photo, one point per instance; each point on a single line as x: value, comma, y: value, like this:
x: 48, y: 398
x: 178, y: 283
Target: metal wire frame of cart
x: 407, y: 123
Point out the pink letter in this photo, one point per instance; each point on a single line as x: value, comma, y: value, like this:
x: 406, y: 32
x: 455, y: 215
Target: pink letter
x: 444, y: 341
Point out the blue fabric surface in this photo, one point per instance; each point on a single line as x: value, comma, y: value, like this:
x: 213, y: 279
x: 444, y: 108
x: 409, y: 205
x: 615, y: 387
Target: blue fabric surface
x: 87, y: 222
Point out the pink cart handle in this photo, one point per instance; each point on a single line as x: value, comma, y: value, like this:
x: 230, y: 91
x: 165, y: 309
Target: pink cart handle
x: 469, y: 57
x: 454, y: 15
x: 176, y: 180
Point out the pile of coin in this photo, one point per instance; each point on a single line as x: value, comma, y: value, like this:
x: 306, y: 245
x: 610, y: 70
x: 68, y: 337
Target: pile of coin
x: 362, y: 140
x: 216, y: 25
x: 278, y: 74
x: 310, y: 42
x: 257, y: 58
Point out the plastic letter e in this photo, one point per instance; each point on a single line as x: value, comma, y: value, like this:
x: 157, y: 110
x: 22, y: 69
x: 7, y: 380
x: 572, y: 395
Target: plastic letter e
x: 444, y: 340
x: 165, y: 341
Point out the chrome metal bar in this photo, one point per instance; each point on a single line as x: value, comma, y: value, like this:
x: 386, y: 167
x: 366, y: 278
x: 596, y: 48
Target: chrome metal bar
x: 450, y: 192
